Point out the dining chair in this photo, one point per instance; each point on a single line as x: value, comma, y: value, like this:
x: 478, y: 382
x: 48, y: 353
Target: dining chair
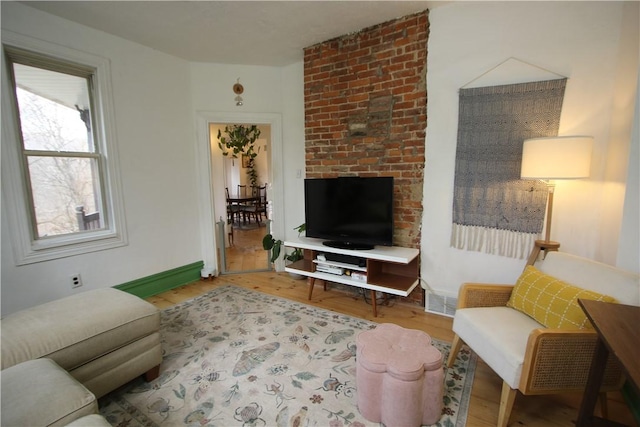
x: 261, y: 204
x: 242, y: 191
x: 233, y: 210
x: 248, y: 208
x: 258, y: 206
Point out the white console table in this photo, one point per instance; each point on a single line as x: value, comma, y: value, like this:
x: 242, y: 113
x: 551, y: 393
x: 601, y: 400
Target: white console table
x: 389, y: 269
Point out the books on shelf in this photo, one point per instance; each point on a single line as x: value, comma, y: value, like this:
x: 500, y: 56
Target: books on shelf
x: 326, y: 268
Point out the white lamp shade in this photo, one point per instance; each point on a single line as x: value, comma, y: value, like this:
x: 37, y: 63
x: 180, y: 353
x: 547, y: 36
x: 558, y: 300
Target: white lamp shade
x: 558, y: 157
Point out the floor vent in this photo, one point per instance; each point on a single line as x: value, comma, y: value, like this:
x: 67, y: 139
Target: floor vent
x: 440, y: 304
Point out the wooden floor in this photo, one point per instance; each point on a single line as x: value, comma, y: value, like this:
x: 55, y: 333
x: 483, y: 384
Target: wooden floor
x: 246, y: 253
x: 534, y: 411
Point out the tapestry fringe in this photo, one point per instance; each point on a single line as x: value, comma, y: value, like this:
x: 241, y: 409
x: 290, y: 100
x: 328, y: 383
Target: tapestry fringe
x: 492, y: 241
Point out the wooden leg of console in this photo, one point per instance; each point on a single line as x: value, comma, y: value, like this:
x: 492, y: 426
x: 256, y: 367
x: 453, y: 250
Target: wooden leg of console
x: 374, y: 303
x: 311, y: 282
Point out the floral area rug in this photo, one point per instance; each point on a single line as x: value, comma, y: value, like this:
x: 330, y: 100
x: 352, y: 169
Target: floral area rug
x: 236, y: 357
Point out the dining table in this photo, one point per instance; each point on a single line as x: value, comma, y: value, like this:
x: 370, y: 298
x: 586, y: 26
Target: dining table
x: 618, y: 337
x: 241, y: 205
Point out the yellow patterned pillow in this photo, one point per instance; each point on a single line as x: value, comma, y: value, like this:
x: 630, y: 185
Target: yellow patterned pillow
x: 551, y: 301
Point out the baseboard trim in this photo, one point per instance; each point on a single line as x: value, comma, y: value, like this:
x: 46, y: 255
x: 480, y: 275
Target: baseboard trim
x: 162, y: 282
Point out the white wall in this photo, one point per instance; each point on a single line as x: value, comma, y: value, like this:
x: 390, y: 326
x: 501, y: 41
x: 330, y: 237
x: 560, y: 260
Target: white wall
x: 155, y: 135
x: 629, y: 249
x: 294, y: 147
x: 269, y: 93
x: 261, y: 164
x: 584, y: 41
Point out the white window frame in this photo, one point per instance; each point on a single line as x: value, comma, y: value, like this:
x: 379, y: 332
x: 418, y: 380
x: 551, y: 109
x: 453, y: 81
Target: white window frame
x: 15, y: 196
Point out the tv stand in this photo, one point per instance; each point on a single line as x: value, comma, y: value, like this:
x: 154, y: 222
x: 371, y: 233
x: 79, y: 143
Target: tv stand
x: 348, y: 245
x: 388, y: 269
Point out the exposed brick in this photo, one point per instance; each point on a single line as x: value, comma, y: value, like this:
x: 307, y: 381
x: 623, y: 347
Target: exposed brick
x: 365, y: 113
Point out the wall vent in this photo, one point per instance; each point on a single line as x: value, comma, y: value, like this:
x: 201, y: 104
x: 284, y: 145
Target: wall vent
x: 441, y: 304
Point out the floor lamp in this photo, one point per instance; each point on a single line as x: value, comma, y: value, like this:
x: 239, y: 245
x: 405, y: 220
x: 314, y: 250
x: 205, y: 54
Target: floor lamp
x: 551, y: 158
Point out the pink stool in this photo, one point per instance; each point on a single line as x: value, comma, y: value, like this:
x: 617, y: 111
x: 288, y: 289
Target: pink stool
x: 399, y: 376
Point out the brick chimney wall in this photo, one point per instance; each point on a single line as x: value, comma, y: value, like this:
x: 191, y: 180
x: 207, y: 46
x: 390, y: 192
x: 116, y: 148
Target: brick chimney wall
x: 366, y: 112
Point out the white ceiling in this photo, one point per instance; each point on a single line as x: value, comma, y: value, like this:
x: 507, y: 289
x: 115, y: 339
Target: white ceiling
x: 272, y: 33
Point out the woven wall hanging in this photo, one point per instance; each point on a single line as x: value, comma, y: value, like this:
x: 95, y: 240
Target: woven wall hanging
x: 494, y: 211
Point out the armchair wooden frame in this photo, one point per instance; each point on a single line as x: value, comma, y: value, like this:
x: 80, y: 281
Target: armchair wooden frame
x: 556, y: 360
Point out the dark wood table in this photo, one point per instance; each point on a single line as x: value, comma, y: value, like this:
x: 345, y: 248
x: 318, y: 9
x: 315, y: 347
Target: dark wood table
x: 243, y: 199
x: 240, y: 203
x: 618, y: 328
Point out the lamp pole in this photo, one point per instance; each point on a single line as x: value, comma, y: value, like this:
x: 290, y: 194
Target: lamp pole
x: 547, y: 244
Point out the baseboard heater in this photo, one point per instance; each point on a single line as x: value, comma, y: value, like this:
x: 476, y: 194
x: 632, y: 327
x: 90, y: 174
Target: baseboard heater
x: 441, y: 304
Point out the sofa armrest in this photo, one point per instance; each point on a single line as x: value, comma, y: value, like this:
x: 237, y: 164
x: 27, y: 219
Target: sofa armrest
x: 558, y: 360
x: 483, y: 295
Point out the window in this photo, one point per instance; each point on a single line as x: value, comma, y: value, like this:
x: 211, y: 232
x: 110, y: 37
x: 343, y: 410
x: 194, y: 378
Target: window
x: 62, y: 164
x: 64, y: 196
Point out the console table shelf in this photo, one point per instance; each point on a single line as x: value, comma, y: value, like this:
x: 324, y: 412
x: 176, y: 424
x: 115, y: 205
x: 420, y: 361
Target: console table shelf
x: 389, y: 269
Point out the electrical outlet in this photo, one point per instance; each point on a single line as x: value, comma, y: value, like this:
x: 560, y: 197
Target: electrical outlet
x: 76, y: 281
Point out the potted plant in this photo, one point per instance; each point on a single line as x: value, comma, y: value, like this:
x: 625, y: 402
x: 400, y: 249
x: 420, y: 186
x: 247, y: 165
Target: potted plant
x: 275, y: 246
x: 239, y: 140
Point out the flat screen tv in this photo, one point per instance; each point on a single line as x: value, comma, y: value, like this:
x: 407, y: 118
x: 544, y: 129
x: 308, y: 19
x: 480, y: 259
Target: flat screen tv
x: 350, y: 212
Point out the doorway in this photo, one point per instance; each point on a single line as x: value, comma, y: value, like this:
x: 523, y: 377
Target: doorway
x: 210, y: 182
x: 246, y: 218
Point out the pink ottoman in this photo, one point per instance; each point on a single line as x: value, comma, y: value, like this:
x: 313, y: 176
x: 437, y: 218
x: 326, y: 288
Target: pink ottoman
x: 399, y: 376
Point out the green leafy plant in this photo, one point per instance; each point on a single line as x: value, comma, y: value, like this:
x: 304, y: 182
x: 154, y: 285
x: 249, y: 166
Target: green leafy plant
x: 239, y: 141
x: 252, y: 174
x: 275, y: 246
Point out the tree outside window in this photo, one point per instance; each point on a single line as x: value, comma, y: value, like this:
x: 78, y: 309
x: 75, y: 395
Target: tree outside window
x: 58, y: 149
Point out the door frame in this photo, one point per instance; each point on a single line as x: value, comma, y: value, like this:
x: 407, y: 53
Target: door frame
x: 211, y: 199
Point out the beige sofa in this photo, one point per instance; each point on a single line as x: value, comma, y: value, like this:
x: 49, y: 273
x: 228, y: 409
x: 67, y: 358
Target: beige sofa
x: 99, y: 340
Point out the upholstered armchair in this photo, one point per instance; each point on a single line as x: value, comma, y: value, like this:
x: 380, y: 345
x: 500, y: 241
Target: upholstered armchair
x: 527, y: 355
